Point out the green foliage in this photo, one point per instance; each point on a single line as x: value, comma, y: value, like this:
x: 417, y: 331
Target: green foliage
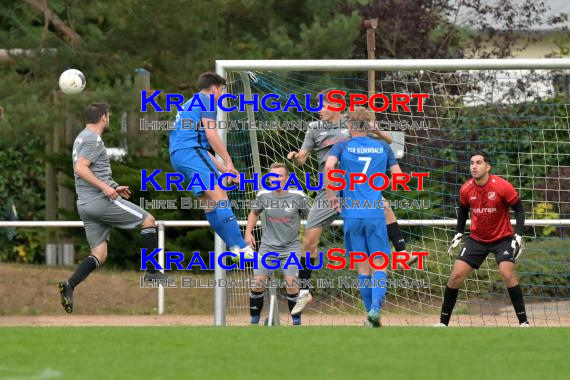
x: 26, y: 246
x: 545, y: 210
x: 176, y: 40
x: 187, y: 38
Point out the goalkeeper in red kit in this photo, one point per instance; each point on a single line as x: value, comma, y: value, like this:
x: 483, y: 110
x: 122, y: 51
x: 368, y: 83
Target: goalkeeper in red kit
x: 488, y: 197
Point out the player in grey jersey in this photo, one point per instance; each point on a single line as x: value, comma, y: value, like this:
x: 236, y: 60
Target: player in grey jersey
x: 280, y: 235
x: 320, y: 138
x: 100, y: 202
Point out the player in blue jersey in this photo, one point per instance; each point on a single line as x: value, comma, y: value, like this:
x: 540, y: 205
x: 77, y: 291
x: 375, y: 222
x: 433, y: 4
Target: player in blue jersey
x: 196, y: 133
x: 364, y: 228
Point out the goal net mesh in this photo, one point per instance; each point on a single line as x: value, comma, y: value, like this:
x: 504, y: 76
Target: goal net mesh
x: 519, y: 117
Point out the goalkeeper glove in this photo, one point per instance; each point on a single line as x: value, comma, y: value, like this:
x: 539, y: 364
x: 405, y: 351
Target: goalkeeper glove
x: 517, y: 246
x: 454, y: 243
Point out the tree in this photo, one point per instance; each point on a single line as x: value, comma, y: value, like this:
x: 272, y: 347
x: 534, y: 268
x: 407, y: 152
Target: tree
x: 454, y: 29
x: 176, y: 40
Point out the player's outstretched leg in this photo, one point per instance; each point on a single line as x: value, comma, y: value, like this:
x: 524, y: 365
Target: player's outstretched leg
x: 224, y: 222
x: 91, y: 263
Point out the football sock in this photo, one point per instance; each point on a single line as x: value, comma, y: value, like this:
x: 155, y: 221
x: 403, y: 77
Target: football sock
x: 215, y: 223
x: 396, y: 237
x: 292, y: 301
x: 296, y: 319
x: 150, y: 242
x: 365, y: 290
x: 255, y: 305
x: 449, y: 299
x: 378, y: 290
x: 518, y: 302
x: 305, y: 273
x: 228, y: 227
x: 85, y: 268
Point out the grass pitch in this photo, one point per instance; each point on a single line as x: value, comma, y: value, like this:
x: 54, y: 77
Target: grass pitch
x: 283, y: 352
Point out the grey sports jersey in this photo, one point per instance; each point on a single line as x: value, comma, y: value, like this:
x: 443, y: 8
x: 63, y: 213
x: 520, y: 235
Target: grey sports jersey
x: 283, y: 214
x: 89, y: 144
x: 321, y: 138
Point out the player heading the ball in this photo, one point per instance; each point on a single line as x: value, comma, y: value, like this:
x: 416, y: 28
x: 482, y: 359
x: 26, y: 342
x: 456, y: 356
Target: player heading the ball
x: 189, y: 155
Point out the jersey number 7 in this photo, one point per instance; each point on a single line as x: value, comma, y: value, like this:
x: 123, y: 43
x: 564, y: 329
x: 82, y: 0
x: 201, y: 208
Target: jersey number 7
x: 366, y: 163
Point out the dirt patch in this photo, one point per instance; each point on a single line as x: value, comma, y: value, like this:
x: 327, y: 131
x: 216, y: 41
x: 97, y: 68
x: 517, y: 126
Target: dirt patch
x: 32, y: 290
x: 29, y: 297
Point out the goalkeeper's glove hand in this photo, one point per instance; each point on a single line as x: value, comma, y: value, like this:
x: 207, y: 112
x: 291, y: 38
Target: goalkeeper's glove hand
x: 454, y: 243
x: 517, y: 246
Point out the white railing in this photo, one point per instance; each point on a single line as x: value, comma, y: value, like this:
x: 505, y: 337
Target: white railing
x: 162, y: 224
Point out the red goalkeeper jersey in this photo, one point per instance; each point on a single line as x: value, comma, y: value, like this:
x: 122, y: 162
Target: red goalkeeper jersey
x: 489, y: 204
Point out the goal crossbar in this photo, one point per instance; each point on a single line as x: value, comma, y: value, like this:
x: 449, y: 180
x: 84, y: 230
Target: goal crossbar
x: 394, y: 64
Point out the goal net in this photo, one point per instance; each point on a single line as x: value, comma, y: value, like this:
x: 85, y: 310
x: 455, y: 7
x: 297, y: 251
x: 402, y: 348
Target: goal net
x: 519, y: 116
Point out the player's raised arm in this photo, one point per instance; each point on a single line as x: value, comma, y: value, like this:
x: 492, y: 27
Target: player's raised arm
x: 299, y: 158
x: 382, y: 135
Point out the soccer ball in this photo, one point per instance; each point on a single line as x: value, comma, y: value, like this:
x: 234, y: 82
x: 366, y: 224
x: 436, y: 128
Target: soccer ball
x: 72, y: 81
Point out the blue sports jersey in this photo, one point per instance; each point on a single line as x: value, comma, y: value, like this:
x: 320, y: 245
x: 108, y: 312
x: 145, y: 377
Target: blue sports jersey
x: 191, y: 136
x: 363, y: 155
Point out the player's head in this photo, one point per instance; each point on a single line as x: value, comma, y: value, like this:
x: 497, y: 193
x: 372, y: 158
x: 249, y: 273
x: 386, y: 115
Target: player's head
x: 479, y: 165
x: 326, y: 114
x: 98, y: 114
x: 360, y: 121
x: 211, y: 83
x: 281, y: 170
